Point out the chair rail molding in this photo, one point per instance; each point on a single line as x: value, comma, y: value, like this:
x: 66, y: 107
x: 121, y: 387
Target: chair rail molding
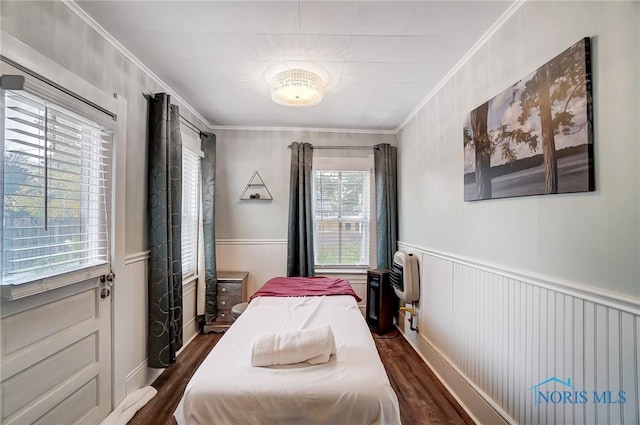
x: 621, y: 302
x: 136, y: 257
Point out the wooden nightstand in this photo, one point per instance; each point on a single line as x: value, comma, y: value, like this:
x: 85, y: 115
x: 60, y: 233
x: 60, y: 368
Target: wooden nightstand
x: 230, y: 290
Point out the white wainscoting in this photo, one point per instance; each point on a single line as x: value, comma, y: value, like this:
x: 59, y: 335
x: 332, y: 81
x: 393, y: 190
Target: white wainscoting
x: 262, y: 258
x: 134, y: 337
x: 267, y: 258
x: 138, y: 375
x: 190, y: 325
x: 492, y: 334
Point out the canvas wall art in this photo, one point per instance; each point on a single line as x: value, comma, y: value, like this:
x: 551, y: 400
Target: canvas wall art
x: 536, y: 137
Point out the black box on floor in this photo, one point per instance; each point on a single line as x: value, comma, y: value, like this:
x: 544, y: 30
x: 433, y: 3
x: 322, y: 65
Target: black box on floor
x: 382, y: 302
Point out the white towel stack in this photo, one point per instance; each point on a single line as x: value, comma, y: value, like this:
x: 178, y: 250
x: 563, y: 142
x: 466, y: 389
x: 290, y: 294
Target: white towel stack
x: 313, y: 346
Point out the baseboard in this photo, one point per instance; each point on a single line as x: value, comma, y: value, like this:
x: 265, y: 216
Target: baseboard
x: 193, y: 322
x: 143, y: 375
x: 140, y: 377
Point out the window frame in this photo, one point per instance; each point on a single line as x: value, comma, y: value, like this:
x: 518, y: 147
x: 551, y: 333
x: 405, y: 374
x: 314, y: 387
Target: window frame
x: 344, y: 160
x: 36, y: 85
x: 191, y: 143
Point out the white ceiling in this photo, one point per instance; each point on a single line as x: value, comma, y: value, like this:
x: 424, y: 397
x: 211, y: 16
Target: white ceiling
x: 381, y: 58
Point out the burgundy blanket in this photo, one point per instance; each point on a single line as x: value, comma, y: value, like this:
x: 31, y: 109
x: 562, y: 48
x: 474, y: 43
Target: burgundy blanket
x: 304, y: 286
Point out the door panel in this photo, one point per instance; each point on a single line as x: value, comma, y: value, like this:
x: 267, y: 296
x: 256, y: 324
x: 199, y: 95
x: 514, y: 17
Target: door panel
x: 79, y: 408
x: 56, y: 352
x: 29, y: 327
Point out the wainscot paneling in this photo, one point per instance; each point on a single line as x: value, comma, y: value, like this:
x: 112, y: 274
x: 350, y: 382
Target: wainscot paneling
x: 262, y: 258
x: 267, y: 258
x: 138, y: 374
x: 493, y: 335
x: 190, y: 325
x: 135, y: 284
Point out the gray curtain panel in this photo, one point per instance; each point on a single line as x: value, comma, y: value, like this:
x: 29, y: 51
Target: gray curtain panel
x: 208, y: 223
x: 165, y: 213
x: 300, y: 235
x: 386, y: 176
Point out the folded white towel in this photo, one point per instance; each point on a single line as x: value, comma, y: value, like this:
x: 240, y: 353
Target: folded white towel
x: 314, y: 346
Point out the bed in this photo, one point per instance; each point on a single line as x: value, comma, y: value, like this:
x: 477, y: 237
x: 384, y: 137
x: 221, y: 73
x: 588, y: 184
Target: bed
x: 351, y: 388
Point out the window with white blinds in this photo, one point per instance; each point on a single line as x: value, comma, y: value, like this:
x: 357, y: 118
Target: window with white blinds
x: 341, y: 214
x: 55, y: 190
x: 190, y: 211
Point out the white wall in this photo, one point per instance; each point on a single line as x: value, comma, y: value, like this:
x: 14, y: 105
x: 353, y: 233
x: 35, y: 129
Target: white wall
x: 252, y: 235
x: 517, y: 290
x: 588, y: 238
x: 241, y: 152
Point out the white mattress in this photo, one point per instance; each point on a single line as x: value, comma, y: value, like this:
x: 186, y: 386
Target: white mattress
x: 352, y: 388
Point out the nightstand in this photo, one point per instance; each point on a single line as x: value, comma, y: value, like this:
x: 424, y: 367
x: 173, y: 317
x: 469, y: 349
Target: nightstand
x: 230, y: 290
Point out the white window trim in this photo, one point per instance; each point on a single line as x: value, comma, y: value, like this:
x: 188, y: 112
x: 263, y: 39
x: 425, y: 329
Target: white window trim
x: 35, y: 86
x: 191, y: 142
x: 346, y: 160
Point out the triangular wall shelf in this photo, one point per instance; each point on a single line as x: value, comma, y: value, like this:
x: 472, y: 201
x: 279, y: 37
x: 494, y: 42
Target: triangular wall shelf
x: 256, y: 190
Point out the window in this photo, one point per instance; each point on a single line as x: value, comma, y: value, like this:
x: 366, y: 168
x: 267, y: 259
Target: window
x: 341, y: 206
x: 55, y: 193
x: 191, y: 202
x: 190, y: 211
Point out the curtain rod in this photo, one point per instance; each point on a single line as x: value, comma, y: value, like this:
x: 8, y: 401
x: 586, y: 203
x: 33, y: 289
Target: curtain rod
x: 191, y: 125
x: 340, y: 147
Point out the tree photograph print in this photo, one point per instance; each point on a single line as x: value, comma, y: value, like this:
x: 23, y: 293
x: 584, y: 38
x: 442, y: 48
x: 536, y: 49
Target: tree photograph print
x: 536, y: 137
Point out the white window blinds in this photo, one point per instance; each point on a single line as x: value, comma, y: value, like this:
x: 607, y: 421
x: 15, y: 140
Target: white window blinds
x: 55, y: 192
x: 341, y: 217
x: 190, y: 211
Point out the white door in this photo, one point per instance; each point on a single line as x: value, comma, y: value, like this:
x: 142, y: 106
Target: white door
x: 56, y: 331
x: 56, y: 356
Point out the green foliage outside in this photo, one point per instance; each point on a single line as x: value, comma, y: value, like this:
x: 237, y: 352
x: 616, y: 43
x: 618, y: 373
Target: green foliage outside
x: 350, y: 255
x: 30, y: 242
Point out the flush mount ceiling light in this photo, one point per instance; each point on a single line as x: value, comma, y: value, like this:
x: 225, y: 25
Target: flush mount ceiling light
x: 296, y: 88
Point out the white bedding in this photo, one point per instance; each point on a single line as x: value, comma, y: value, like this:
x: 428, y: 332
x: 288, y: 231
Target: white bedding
x: 351, y: 388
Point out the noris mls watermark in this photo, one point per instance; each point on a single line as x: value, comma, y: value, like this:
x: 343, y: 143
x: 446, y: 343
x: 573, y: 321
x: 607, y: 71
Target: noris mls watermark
x: 568, y: 394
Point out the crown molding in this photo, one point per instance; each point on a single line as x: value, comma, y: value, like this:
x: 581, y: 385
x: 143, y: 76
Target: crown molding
x: 324, y: 130
x: 71, y: 4
x: 474, y: 49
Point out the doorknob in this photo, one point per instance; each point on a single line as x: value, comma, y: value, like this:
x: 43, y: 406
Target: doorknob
x: 105, y: 292
x: 108, y: 278
x: 107, y: 282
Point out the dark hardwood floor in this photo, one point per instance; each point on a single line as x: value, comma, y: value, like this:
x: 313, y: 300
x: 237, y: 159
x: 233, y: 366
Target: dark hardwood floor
x: 423, y: 399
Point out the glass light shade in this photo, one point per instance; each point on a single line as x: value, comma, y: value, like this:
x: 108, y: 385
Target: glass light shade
x: 296, y: 88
